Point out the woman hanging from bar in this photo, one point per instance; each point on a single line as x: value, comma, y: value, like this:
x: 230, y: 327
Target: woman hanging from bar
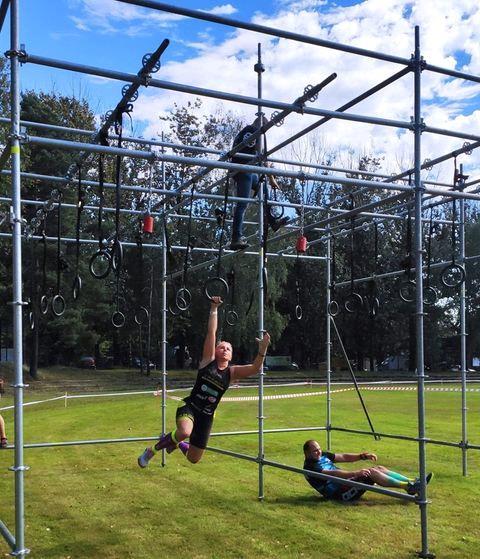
x: 195, y: 414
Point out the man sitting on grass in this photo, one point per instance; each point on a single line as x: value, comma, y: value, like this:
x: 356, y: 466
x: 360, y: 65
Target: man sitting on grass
x: 325, y: 462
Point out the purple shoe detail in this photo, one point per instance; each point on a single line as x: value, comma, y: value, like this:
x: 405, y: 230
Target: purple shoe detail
x: 183, y: 446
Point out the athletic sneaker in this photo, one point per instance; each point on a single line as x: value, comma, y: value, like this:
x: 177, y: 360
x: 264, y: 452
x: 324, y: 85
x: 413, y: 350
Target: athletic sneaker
x: 428, y: 478
x: 171, y: 448
x: 413, y: 488
x: 145, y: 457
x: 3, y: 442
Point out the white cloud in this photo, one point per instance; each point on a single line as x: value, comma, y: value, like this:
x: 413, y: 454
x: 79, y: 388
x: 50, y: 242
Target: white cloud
x: 223, y: 10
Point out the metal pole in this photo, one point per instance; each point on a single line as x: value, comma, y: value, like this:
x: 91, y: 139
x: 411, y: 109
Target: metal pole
x: 329, y: 343
x: 418, y: 128
x: 259, y: 68
x: 164, y: 323
x: 17, y: 303
x: 463, y: 333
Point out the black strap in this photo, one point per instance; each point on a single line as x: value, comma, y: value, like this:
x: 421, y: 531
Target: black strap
x: 454, y: 210
x: 429, y: 248
x: 77, y: 282
x: 101, y: 179
x: 190, y: 242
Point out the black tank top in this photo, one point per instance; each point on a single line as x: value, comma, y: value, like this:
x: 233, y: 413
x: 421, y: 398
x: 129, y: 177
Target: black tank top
x: 210, y: 386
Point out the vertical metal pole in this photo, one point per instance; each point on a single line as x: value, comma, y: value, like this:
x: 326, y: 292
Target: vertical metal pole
x: 329, y: 343
x: 16, y: 222
x: 463, y: 332
x: 164, y: 320
x: 259, y: 68
x: 419, y: 188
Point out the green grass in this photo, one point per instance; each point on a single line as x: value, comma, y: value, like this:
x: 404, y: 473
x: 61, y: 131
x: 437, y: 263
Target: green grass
x: 94, y: 501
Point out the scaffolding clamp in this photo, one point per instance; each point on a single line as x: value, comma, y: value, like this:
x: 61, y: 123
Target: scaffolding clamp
x: 20, y: 385
x: 20, y: 54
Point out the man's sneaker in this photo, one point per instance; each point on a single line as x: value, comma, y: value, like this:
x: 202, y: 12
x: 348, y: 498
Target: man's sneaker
x: 239, y: 244
x: 171, y: 448
x: 3, y: 442
x: 278, y: 223
x: 413, y: 488
x: 145, y: 457
x: 428, y: 478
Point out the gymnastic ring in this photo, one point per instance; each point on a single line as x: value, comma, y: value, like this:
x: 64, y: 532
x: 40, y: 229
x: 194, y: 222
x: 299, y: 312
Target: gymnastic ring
x: 172, y: 312
x: 100, y: 272
x: 405, y: 290
x: 373, y: 305
x: 118, y: 319
x: 333, y: 308
x: 457, y: 270
x: 139, y: 319
x: 58, y: 305
x: 231, y: 317
x: 117, y: 255
x: 44, y: 304
x: 353, y: 303
x: 76, y: 287
x: 430, y: 296
x: 31, y: 320
x: 298, y: 312
x: 183, y: 299
x: 209, y: 284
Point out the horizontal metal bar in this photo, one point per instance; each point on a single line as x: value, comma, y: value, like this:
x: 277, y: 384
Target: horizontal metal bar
x: 265, y: 30
x: 401, y: 437
x: 182, y: 88
x: 451, y: 133
x: 9, y: 537
x: 92, y: 148
x: 199, y: 149
x: 460, y: 194
x: 398, y: 273
x: 201, y: 162
x: 453, y: 73
x: 175, y: 248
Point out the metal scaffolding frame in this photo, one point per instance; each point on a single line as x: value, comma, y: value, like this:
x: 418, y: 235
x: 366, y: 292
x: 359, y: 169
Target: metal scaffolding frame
x: 415, y: 65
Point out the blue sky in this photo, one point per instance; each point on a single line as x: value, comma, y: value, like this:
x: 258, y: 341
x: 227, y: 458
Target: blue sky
x: 115, y: 35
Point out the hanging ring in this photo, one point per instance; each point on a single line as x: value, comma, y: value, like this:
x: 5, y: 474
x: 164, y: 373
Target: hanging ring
x: 220, y: 284
x: 183, y: 298
x: 118, y: 319
x: 333, y: 308
x: 58, y: 305
x: 353, y: 303
x: 298, y: 312
x: 76, y: 287
x: 453, y: 275
x: 141, y: 316
x: 430, y: 296
x: 117, y: 255
x: 44, y: 304
x: 407, y: 291
x: 100, y: 264
x: 231, y: 317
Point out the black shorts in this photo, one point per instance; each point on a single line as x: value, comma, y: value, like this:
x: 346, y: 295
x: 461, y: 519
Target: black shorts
x: 347, y: 493
x: 202, y: 425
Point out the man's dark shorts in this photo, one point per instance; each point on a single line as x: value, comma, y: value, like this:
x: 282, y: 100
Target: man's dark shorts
x: 202, y: 425
x: 347, y: 493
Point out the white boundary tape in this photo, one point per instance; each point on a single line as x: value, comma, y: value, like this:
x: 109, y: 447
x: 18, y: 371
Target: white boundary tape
x: 254, y: 398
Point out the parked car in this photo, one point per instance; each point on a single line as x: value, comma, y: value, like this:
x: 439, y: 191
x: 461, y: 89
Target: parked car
x: 137, y: 362
x: 87, y: 362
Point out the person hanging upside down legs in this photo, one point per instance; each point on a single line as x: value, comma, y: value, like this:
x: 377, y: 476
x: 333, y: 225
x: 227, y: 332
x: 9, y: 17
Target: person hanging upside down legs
x: 195, y: 414
x: 325, y: 462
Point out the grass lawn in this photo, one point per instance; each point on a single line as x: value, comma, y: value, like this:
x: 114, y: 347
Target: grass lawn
x: 94, y: 501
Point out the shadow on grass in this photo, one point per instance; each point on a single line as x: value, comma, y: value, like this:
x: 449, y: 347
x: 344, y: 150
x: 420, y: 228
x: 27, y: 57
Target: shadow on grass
x: 318, y: 501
